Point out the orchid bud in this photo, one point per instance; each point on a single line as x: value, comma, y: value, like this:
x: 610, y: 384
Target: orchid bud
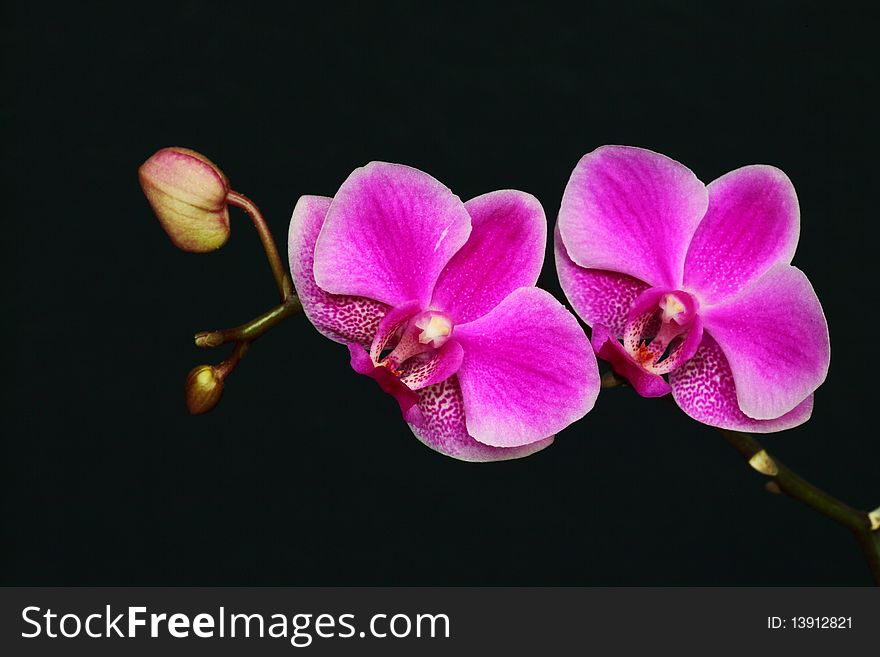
x: 188, y: 194
x: 203, y: 389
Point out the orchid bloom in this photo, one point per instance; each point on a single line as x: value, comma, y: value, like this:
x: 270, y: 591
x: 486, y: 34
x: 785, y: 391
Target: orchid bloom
x: 694, y: 282
x: 435, y: 300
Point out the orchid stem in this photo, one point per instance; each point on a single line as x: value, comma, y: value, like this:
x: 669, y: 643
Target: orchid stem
x: 282, y: 280
x: 866, y: 532
x: 223, y: 369
x: 253, y: 329
x: 243, y: 335
x: 800, y: 489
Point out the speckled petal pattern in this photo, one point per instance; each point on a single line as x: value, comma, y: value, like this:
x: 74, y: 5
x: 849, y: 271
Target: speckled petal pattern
x: 704, y: 389
x: 597, y: 296
x: 428, y: 369
x: 341, y: 318
x: 443, y: 428
x: 394, y: 320
x: 646, y: 383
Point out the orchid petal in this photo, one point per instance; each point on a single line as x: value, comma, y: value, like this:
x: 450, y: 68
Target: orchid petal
x: 341, y: 318
x: 704, y: 389
x: 597, y: 296
x: 394, y: 319
x: 631, y: 211
x: 775, y: 338
x: 528, y: 370
x: 431, y: 368
x: 751, y: 225
x: 389, y: 382
x: 505, y: 251
x: 389, y: 232
x: 647, y: 384
x: 443, y: 428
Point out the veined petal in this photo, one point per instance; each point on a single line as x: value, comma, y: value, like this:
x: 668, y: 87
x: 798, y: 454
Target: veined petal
x: 443, y: 427
x: 632, y: 211
x: 597, y: 296
x: 389, y: 232
x: 341, y: 318
x: 505, y: 251
x: 775, y: 338
x: 528, y: 370
x: 751, y: 225
x: 647, y: 384
x: 704, y: 389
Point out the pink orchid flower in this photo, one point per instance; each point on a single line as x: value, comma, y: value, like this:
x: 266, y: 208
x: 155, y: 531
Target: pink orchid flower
x: 435, y: 300
x: 696, y: 282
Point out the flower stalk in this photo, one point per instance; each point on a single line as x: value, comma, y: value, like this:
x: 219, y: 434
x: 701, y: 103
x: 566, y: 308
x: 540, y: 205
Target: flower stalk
x: 246, y: 333
x: 795, y: 486
x: 279, y: 271
x: 864, y: 526
x: 253, y: 329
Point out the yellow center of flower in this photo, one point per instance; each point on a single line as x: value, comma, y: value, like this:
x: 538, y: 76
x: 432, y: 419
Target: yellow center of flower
x: 434, y: 329
x: 671, y: 307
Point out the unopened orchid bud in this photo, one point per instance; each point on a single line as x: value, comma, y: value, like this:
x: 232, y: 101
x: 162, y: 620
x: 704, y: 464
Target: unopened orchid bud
x: 188, y: 193
x: 204, y: 388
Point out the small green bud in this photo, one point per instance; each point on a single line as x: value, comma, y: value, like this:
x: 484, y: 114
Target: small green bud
x: 188, y: 194
x: 203, y: 389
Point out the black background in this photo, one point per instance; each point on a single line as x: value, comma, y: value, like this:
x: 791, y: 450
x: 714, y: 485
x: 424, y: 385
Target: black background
x: 306, y: 474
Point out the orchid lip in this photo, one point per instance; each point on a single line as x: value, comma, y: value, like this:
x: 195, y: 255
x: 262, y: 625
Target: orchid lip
x: 663, y: 329
x: 424, y: 332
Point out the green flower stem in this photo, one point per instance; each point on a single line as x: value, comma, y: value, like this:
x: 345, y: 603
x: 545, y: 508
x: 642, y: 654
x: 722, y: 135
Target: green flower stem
x: 783, y: 480
x: 279, y: 272
x: 803, y: 491
x: 253, y: 329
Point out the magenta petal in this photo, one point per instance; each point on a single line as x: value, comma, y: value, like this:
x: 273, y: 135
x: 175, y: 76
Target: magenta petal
x: 751, y: 225
x: 443, y: 427
x: 704, y: 389
x: 436, y: 366
x: 394, y: 320
x: 528, y: 370
x: 775, y: 338
x: 632, y: 211
x: 406, y: 398
x: 504, y: 251
x: 341, y: 318
x: 389, y: 232
x: 647, y: 384
x: 598, y: 297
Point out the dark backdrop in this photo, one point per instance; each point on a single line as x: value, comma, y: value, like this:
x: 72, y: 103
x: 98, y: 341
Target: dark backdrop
x: 306, y: 474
